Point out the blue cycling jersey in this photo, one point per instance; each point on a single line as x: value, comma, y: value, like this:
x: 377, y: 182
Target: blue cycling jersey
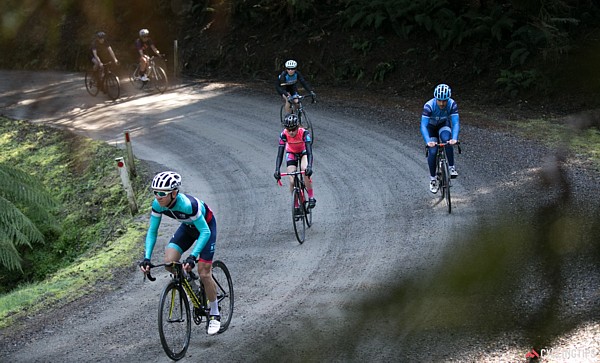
x: 186, y: 209
x: 434, y: 116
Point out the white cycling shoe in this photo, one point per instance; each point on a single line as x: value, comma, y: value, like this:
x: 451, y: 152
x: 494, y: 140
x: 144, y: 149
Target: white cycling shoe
x: 453, y: 172
x: 433, y: 186
x: 214, y: 324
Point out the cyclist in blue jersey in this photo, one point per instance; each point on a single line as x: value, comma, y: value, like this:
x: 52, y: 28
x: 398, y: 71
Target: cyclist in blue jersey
x: 440, y: 123
x: 198, y: 225
x: 287, y: 83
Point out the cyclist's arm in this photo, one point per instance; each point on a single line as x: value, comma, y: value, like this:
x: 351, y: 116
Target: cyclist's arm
x: 95, y: 54
x: 202, y: 226
x: 154, y: 49
x: 424, y: 131
x: 303, y: 82
x: 112, y: 54
x: 308, y: 147
x: 280, y: 152
x: 155, y: 219
x: 279, y: 88
x: 455, y: 121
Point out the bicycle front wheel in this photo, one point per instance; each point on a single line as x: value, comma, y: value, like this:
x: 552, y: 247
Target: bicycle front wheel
x: 308, y: 212
x: 225, y: 297
x: 91, y: 84
x: 446, y: 185
x: 174, y: 323
x: 299, y: 220
x: 305, y: 122
x: 112, y: 86
x: 160, y: 79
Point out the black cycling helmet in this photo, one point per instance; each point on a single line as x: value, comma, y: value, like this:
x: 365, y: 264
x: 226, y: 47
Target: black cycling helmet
x: 290, y: 121
x: 100, y: 35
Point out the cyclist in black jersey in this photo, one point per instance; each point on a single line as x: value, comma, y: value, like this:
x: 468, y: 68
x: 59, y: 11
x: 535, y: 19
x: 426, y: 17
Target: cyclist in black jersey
x: 101, y: 51
x: 287, y: 83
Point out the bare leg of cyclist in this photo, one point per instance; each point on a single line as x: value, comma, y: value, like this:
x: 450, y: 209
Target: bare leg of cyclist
x: 171, y: 255
x: 205, y: 272
x: 308, y: 181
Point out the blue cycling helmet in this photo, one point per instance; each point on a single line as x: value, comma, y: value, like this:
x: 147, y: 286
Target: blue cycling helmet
x: 442, y: 92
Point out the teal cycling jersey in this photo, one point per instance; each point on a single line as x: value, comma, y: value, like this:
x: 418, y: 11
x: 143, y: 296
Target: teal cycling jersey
x: 186, y: 209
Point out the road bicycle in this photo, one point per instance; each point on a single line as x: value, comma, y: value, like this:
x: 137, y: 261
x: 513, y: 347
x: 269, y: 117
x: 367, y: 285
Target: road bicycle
x: 174, y: 323
x: 298, y: 110
x: 157, y: 76
x: 108, y: 82
x: 442, y: 172
x: 301, y: 213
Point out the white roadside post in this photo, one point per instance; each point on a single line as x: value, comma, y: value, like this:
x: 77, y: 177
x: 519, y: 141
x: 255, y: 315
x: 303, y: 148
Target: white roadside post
x: 127, y: 185
x: 130, y: 161
x: 175, y: 60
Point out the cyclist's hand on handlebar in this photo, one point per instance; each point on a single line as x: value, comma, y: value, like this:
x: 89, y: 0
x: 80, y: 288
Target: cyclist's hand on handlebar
x: 431, y: 143
x: 145, y: 265
x: 452, y: 141
x: 190, y: 262
x: 308, y: 171
x: 277, y: 175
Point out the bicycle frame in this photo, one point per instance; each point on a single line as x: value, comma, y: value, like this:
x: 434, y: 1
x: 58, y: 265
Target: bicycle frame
x: 179, y: 278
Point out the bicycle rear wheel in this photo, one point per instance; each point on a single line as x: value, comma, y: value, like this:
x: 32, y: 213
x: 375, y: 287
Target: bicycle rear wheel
x: 112, y: 86
x: 225, y: 296
x: 91, y: 84
x: 305, y: 122
x: 160, y: 79
x: 174, y: 323
x: 299, y: 221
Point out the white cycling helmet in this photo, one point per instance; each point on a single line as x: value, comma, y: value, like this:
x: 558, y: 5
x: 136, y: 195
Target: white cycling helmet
x: 144, y: 32
x: 291, y: 64
x: 166, y: 181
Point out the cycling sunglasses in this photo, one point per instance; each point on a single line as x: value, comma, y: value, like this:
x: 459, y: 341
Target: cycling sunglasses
x: 161, y: 194
x: 292, y: 129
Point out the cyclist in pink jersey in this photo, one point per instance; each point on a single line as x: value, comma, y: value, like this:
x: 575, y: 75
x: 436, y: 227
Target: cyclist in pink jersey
x: 297, y: 144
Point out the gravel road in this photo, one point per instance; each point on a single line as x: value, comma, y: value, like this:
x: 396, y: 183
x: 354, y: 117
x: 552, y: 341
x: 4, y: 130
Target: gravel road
x: 386, y: 274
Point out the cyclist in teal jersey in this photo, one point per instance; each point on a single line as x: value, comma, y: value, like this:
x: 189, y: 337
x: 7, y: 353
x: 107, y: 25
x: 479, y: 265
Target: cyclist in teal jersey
x: 440, y: 123
x: 198, y: 225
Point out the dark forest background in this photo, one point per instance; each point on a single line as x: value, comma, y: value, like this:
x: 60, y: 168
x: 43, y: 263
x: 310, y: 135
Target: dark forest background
x: 546, y: 51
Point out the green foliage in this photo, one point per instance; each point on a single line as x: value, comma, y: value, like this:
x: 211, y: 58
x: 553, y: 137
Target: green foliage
x: 514, y: 82
x: 382, y: 69
x: 81, y: 175
x: 23, y: 201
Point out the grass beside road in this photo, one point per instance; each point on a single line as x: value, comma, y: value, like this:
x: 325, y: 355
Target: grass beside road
x: 97, y: 235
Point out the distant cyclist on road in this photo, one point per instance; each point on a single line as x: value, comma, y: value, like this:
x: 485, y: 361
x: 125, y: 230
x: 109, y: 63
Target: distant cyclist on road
x: 440, y: 122
x: 295, y: 140
x: 141, y: 44
x: 101, y: 52
x: 198, y: 225
x: 287, y: 83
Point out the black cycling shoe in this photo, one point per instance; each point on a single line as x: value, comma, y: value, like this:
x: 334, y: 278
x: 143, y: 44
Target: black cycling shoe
x: 312, y: 202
